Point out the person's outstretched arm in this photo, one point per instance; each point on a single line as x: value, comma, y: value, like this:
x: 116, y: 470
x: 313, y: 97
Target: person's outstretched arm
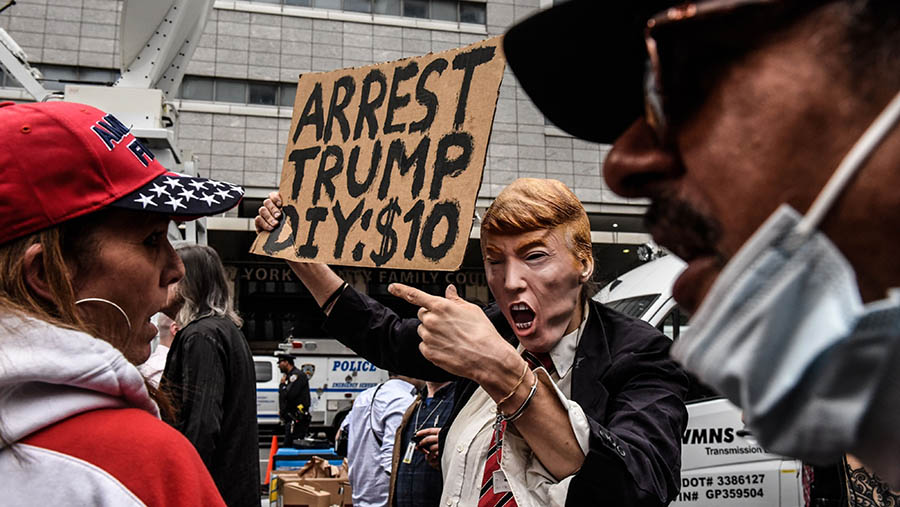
x: 369, y: 328
x: 319, y: 279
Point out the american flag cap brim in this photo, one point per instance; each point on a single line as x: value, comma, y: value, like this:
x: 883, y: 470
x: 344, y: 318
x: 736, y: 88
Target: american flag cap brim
x: 183, y: 197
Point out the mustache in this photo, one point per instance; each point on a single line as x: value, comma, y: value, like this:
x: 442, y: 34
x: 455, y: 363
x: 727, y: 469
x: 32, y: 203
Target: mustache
x: 680, y: 227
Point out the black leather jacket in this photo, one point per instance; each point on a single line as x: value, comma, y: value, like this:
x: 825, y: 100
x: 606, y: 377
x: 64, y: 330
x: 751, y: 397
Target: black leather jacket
x: 212, y: 379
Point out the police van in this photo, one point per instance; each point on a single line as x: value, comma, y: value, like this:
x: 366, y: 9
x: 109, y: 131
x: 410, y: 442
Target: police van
x: 722, y: 464
x: 336, y: 376
x: 267, y: 379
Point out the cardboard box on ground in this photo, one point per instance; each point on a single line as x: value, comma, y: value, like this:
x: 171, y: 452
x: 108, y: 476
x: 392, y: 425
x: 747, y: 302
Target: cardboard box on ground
x: 317, y: 484
x: 299, y: 495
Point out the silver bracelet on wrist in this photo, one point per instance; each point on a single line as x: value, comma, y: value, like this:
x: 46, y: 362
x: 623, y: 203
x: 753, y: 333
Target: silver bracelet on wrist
x: 518, y: 413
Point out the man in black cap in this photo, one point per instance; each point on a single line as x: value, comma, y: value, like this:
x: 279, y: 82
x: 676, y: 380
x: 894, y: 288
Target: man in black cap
x: 764, y: 134
x: 293, y: 400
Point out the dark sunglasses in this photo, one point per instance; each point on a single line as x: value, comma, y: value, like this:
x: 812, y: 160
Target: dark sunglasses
x: 684, y: 29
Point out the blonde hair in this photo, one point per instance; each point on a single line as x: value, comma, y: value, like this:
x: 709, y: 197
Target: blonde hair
x: 532, y: 204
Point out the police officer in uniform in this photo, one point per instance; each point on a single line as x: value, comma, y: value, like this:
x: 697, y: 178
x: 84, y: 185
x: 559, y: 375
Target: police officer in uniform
x: 293, y: 400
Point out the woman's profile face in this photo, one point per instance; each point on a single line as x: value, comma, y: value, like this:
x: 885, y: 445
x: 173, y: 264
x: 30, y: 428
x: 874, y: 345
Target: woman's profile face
x: 132, y: 265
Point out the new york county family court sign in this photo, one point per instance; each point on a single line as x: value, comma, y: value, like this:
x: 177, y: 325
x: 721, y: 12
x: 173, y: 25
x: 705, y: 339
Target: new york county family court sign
x: 383, y: 163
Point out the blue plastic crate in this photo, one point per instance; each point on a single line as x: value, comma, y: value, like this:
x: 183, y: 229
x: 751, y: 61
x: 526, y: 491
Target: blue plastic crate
x: 293, y: 459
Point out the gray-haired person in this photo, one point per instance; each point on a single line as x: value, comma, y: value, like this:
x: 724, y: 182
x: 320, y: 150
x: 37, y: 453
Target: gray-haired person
x: 210, y: 375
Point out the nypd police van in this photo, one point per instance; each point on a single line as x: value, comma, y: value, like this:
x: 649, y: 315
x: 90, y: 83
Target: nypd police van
x: 336, y: 376
x: 722, y: 464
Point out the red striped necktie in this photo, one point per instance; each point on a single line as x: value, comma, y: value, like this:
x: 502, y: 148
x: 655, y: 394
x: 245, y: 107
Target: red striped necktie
x: 536, y: 359
x: 489, y: 497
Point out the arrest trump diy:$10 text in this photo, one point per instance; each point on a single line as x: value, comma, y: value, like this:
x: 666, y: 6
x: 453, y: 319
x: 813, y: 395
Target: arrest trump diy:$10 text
x: 384, y: 162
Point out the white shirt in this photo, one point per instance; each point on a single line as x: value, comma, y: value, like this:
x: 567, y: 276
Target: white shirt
x: 152, y: 368
x: 465, y: 450
x: 369, y: 422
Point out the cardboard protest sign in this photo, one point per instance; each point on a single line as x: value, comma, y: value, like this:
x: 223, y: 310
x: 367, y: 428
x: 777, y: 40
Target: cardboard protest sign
x: 384, y: 162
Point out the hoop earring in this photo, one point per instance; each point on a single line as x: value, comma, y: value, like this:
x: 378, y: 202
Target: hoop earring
x: 101, y: 300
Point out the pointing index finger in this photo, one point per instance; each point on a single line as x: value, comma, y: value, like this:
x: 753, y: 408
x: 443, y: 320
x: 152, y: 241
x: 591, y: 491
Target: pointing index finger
x: 414, y: 296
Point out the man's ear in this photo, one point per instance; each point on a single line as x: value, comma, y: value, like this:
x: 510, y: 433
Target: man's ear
x: 587, y: 269
x: 34, y: 272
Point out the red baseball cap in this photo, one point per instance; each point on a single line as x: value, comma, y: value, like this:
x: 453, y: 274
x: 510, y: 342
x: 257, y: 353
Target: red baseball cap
x: 62, y: 160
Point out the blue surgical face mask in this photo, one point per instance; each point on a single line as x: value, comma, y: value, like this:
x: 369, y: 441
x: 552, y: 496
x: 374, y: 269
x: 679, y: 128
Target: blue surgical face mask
x: 783, y: 333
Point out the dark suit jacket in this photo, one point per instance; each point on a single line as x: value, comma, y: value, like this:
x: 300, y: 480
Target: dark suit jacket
x: 624, y: 380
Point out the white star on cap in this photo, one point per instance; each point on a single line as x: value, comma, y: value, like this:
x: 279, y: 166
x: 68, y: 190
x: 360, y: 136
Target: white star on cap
x: 175, y: 203
x: 159, y: 189
x: 198, y: 185
x: 223, y: 194
x: 210, y: 200
x: 173, y: 182
x: 187, y: 194
x: 145, y: 200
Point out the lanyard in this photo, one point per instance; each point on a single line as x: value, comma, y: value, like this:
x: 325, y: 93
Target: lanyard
x: 419, y: 409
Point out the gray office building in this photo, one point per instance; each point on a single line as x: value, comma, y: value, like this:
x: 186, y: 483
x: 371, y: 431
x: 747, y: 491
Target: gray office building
x: 234, y: 111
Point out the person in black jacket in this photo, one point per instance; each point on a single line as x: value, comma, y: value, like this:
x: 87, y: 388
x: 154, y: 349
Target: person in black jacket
x: 293, y: 400
x: 211, y: 377
x: 581, y: 404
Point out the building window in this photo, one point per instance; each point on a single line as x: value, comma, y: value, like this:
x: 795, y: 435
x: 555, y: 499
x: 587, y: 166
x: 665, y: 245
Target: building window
x: 328, y: 4
x: 230, y: 90
x: 471, y: 12
x: 358, y: 5
x: 456, y: 11
x: 445, y: 10
x: 56, y: 77
x: 415, y: 8
x: 197, y: 88
x: 261, y: 93
x: 287, y: 92
x: 7, y: 81
x: 390, y: 7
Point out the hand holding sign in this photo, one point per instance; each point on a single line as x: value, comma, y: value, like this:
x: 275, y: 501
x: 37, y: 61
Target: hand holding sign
x: 269, y: 213
x: 456, y: 335
x: 383, y: 162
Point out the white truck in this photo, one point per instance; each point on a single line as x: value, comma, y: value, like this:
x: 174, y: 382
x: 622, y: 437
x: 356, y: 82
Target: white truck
x: 336, y: 376
x: 722, y: 465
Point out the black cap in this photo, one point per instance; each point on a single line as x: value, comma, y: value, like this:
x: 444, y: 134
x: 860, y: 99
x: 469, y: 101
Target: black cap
x: 582, y: 63
x: 286, y: 357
